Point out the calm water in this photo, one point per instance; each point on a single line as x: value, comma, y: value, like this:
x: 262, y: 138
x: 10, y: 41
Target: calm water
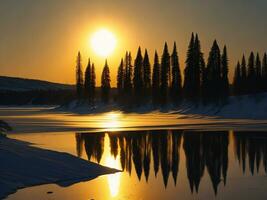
x: 160, y: 164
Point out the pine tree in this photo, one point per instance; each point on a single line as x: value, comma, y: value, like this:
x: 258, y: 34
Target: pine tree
x: 251, y: 74
x: 129, y: 73
x: 105, y: 83
x: 243, y: 83
x: 188, y: 71
x: 264, y: 71
x: 156, y: 79
x: 87, y: 80
x: 259, y: 84
x: 138, y: 76
x: 214, y: 73
x: 225, y: 81
x: 237, y: 79
x: 79, y: 77
x: 120, y: 78
x: 165, y: 68
x: 147, y: 73
x: 197, y: 54
x: 92, y: 83
x: 176, y: 84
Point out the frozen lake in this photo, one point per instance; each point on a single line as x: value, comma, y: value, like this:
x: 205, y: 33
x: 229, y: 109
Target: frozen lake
x: 162, y: 155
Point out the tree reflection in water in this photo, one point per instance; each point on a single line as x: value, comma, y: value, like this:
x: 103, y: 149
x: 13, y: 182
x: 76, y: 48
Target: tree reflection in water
x: 160, y: 150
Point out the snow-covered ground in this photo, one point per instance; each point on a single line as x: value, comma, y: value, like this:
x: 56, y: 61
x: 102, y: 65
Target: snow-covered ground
x: 23, y: 165
x: 238, y: 107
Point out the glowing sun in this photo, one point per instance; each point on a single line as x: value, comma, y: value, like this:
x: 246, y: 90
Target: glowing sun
x: 103, y: 42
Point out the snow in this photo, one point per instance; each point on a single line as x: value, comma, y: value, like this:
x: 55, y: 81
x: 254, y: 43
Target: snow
x: 236, y: 107
x: 23, y: 165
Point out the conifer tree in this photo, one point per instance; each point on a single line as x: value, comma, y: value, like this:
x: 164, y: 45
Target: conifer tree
x: 258, y: 67
x: 225, y: 81
x: 264, y: 71
x: 87, y: 80
x: 138, y: 75
x: 105, y: 83
x: 259, y: 84
x: 237, y: 79
x: 128, y: 75
x: 79, y: 77
x: 147, y: 73
x: 188, y: 71
x: 197, y: 56
x: 176, y: 84
x: 243, y: 83
x: 92, y: 83
x: 165, y: 66
x: 156, y: 79
x: 120, y: 78
x: 251, y: 80
x: 214, y: 73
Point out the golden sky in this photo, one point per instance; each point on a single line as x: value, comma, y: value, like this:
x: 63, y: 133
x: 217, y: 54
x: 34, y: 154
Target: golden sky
x: 40, y: 38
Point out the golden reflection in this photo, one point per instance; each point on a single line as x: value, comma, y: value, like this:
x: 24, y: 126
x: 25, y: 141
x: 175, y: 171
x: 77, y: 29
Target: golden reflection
x: 112, y: 120
x: 110, y: 161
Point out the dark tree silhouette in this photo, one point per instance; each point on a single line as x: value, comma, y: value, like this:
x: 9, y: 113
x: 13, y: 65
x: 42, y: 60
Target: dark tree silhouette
x: 237, y: 79
x: 87, y: 80
x: 264, y: 71
x: 225, y: 81
x: 251, y: 73
x: 92, y: 83
x: 128, y: 74
x: 214, y: 73
x: 188, y: 71
x: 138, y: 76
x: 79, y: 77
x: 243, y: 86
x: 156, y: 79
x: 165, y: 68
x: 147, y: 74
x: 258, y: 83
x: 105, y: 83
x: 120, y: 78
x: 176, y: 83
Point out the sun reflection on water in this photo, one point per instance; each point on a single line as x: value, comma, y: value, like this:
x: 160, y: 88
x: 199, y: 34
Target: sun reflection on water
x: 112, y: 120
x: 110, y: 161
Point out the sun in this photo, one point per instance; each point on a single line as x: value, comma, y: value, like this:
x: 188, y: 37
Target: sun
x: 103, y: 42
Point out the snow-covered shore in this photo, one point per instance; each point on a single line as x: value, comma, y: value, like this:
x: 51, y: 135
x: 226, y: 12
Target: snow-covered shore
x: 236, y: 107
x: 23, y: 165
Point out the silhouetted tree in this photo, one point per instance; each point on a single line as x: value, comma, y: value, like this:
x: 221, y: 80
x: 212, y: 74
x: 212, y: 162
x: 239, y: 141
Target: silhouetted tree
x: 243, y: 86
x: 128, y: 74
x: 120, y: 78
x: 79, y: 77
x: 237, y: 79
x: 165, y: 68
x: 189, y: 71
x: 214, y: 73
x: 138, y: 76
x: 225, y: 81
x: 92, y: 83
x: 156, y: 79
x: 258, y: 83
x: 87, y: 80
x: 147, y: 74
x: 105, y: 83
x: 176, y: 83
x: 264, y: 71
x: 251, y: 73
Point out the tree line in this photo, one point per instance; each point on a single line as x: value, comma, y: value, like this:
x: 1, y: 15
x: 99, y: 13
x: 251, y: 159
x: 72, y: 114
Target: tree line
x: 140, y: 82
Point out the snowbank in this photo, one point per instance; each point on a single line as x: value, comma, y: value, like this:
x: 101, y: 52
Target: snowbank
x: 238, y: 107
x: 241, y: 107
x: 23, y: 165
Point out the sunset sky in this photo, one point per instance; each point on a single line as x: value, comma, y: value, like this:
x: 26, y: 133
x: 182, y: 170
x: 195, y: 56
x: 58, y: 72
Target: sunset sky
x: 40, y: 38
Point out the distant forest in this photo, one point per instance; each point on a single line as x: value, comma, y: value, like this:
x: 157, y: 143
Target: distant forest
x: 161, y: 82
